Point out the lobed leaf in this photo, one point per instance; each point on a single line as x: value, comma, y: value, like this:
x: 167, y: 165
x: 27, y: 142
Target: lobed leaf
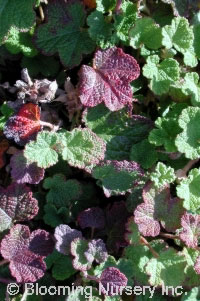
x: 96, y: 251
x: 162, y: 175
x: 78, y: 248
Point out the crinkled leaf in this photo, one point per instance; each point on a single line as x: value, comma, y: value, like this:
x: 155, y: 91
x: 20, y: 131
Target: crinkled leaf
x: 25, y: 265
x: 78, y: 248
x: 64, y: 235
x: 142, y: 30
x: 82, y: 148
x: 162, y: 175
x: 190, y: 233
x: 105, y: 5
x: 109, y: 79
x: 117, y: 177
x: 187, y: 141
x: 139, y: 154
x: 178, y: 35
x: 43, y: 151
x: 61, y: 192
x: 24, y: 125
x: 191, y: 277
x: 55, y: 216
x: 17, y: 203
x: 112, y: 281
x: 17, y: 42
x: 167, y: 269
x: 96, y: 251
x: 162, y: 74
x: 188, y: 190
x: 197, y: 265
x: 24, y: 16
x: 41, y: 242
x: 23, y: 172
x: 117, y: 129
x: 92, y: 217
x: 63, y: 32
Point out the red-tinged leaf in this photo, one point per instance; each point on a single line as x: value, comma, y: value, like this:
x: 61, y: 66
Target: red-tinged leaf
x: 3, y: 148
x: 41, y: 242
x: 112, y: 281
x: 24, y: 172
x: 64, y: 235
x: 109, y: 79
x: 92, y: 217
x: 90, y: 3
x: 96, y: 251
x: 197, y: 265
x: 144, y: 218
x: 24, y: 125
x: 17, y: 202
x: 25, y: 265
x: 191, y: 229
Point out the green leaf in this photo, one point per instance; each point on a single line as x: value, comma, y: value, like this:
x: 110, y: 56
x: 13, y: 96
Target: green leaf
x: 54, y: 217
x: 167, y: 269
x: 78, y: 248
x: 132, y: 235
x: 40, y: 64
x: 188, y: 190
x: 188, y: 141
x: 143, y: 29
x: 61, y: 265
x: 178, y: 35
x: 105, y: 5
x: 167, y: 128
x: 100, y: 30
x: 117, y: 129
x: 17, y: 42
x: 162, y: 74
x: 61, y: 192
x: 6, y: 111
x: 162, y: 175
x: 125, y: 20
x: 17, y: 14
x: 191, y: 277
x: 139, y: 154
x: 63, y: 32
x: 196, y: 30
x: 82, y: 148
x: 43, y: 151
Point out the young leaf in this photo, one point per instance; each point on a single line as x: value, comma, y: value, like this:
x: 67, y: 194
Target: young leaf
x: 178, y: 35
x: 61, y: 192
x: 188, y: 190
x: 64, y: 235
x: 92, y: 217
x: 162, y: 75
x: 112, y: 281
x: 105, y: 5
x: 23, y: 12
x: 109, y: 79
x: 162, y: 175
x: 187, y: 141
x: 24, y: 125
x: 82, y: 148
x: 142, y: 30
x: 17, y: 204
x: 96, y: 251
x: 55, y: 216
x: 43, y: 151
x: 190, y: 233
x: 63, y: 32
x: 78, y: 248
x: 23, y: 172
x: 25, y: 265
x: 117, y: 177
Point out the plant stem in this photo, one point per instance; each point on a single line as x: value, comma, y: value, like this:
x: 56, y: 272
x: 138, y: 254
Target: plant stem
x: 182, y: 173
x: 6, y: 281
x: 92, y: 232
x: 41, y: 13
x: 4, y: 261
x: 171, y: 236
x: 146, y: 243
x: 90, y: 277
x: 49, y: 125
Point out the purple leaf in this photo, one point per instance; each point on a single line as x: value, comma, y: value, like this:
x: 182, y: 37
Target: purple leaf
x: 109, y: 79
x: 17, y: 202
x: 64, y: 235
x: 24, y: 172
x: 144, y: 218
x: 191, y: 229
x: 96, y: 251
x: 197, y: 265
x: 92, y: 217
x: 41, y: 242
x: 112, y: 281
x: 25, y: 265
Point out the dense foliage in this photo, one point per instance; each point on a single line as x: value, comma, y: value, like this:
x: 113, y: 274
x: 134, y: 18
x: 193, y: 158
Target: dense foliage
x: 100, y: 149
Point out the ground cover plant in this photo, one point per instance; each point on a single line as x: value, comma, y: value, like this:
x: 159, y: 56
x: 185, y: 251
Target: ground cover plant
x: 99, y: 150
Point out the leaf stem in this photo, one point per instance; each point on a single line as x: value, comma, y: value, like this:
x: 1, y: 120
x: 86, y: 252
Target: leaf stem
x: 146, y: 243
x: 41, y: 13
x: 90, y: 277
x: 4, y: 261
x: 49, y: 125
x: 182, y: 173
x: 6, y: 281
x: 168, y: 235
